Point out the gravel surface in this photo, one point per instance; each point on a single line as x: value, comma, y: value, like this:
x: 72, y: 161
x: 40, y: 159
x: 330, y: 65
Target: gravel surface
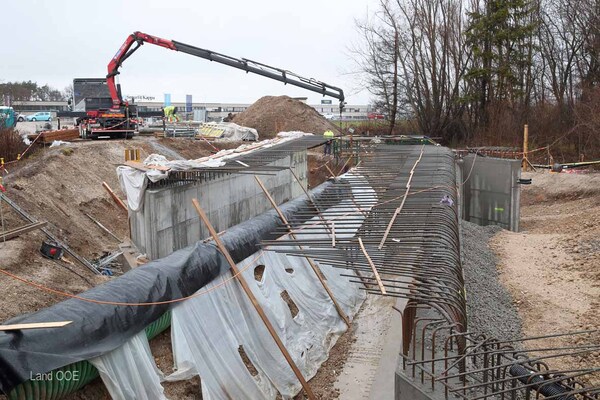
x: 490, y: 307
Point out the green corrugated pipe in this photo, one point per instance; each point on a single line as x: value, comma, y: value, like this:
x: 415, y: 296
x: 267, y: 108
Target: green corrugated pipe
x: 60, y: 382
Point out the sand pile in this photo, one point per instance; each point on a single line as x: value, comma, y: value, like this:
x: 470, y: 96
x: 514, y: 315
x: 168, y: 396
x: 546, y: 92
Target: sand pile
x: 273, y: 114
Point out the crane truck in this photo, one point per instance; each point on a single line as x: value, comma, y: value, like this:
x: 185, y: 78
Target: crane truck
x: 120, y: 120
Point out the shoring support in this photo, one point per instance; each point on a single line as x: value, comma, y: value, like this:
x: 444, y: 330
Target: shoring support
x: 333, y: 175
x: 341, y: 312
x: 372, y: 264
x: 253, y: 300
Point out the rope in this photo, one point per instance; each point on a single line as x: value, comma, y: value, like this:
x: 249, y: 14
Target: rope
x: 470, y: 172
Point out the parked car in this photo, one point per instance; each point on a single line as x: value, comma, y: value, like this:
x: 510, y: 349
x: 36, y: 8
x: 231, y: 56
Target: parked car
x: 328, y: 116
x: 375, y: 116
x: 40, y: 116
x: 21, y: 117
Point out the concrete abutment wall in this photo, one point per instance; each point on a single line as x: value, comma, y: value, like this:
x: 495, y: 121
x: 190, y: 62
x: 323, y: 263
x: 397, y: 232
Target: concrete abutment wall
x: 168, y: 221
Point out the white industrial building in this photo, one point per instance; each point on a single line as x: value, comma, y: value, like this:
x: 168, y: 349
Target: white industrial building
x: 213, y: 111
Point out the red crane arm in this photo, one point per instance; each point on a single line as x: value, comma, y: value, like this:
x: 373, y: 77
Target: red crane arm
x: 137, y: 38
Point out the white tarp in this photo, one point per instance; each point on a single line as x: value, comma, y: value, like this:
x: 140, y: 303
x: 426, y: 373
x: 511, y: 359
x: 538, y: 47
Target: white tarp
x: 209, y: 330
x: 133, y: 183
x: 230, y: 131
x: 129, y: 372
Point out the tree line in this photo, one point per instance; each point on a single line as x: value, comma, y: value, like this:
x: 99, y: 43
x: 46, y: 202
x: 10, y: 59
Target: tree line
x: 30, y: 91
x: 475, y: 71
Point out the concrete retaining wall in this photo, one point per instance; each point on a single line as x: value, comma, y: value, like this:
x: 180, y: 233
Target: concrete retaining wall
x: 491, y: 193
x: 168, y: 221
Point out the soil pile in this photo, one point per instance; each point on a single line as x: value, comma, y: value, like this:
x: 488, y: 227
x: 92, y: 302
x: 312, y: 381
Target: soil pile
x: 273, y: 114
x: 63, y: 186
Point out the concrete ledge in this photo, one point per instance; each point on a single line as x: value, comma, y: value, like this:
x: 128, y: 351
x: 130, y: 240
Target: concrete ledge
x: 383, y: 386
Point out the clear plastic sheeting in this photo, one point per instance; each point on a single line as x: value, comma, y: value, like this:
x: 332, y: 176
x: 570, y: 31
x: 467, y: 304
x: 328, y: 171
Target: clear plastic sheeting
x: 129, y: 372
x: 221, y: 337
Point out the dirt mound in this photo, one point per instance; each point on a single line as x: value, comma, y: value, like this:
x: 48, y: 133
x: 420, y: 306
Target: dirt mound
x: 273, y: 114
x: 548, y: 186
x: 61, y: 185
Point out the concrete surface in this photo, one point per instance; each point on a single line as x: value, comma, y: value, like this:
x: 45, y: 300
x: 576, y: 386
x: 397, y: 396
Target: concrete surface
x: 365, y: 354
x: 383, y: 386
x: 168, y: 221
x: 491, y: 192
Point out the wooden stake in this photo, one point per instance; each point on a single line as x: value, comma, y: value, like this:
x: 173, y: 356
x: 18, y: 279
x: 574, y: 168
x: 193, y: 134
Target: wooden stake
x: 310, y: 262
x: 114, y: 196
x: 37, y: 325
x: 379, y: 282
x: 13, y: 233
x: 330, y: 171
x: 257, y: 307
x: 399, y: 209
x: 310, y: 198
x: 525, y: 147
x: 344, y: 166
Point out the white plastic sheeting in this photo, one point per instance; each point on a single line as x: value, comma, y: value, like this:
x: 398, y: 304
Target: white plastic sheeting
x: 129, y: 372
x: 208, y: 331
x: 133, y: 183
x: 230, y: 131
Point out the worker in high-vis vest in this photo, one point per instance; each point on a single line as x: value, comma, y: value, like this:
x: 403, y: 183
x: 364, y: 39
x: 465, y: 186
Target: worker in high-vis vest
x: 329, y: 136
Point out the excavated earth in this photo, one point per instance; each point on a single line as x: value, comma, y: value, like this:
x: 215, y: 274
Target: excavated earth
x: 272, y: 114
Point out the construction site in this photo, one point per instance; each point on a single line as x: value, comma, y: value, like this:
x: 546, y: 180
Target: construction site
x: 280, y: 254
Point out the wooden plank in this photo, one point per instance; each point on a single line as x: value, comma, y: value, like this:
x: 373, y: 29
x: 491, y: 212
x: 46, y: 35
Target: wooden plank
x: 143, y: 167
x: 325, y: 224
x: 38, y: 325
x: 375, y: 272
x: 332, y: 234
x: 65, y: 135
x: 330, y: 171
x: 253, y: 300
x: 128, y: 255
x: 22, y: 230
x: 310, y: 261
x: 114, y: 196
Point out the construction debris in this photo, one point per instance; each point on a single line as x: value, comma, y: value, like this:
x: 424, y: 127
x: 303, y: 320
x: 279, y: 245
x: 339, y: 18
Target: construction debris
x: 48, y: 137
x: 13, y: 233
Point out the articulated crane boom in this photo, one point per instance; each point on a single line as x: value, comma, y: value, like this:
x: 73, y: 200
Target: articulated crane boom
x: 120, y: 120
x: 137, y: 39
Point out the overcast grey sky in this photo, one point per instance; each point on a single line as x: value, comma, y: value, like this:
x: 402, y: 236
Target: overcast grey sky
x: 55, y: 41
